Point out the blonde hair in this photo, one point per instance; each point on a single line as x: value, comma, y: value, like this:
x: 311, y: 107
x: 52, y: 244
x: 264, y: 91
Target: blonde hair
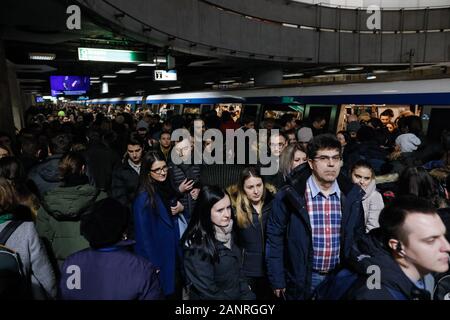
x: 239, y: 200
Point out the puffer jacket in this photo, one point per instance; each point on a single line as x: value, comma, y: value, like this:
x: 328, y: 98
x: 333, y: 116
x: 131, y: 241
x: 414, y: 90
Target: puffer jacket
x: 372, y: 205
x: 58, y: 219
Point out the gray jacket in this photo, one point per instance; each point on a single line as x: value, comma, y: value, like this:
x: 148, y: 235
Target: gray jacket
x: 373, y: 204
x: 25, y: 241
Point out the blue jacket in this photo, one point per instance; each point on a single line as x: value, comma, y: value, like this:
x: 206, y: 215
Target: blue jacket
x: 157, y: 238
x: 289, y: 250
x: 112, y: 273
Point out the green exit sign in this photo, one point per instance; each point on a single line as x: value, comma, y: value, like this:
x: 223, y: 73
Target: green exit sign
x: 110, y: 55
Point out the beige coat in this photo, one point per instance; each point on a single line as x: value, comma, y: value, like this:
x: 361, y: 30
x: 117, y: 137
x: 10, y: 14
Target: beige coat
x: 373, y: 204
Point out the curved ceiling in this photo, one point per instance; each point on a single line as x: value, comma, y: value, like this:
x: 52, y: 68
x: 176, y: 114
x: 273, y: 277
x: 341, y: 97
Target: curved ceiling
x: 386, y: 4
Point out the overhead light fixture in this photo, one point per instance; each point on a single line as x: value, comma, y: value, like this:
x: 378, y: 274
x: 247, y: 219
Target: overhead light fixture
x: 109, y: 76
x: 332, y: 70
x: 227, y: 81
x: 105, y: 87
x: 176, y: 87
x: 371, y: 77
x: 321, y: 76
x: 292, y: 75
x: 147, y: 64
x: 163, y: 89
x: 42, y: 56
x: 354, y: 68
x: 160, y: 60
x: 380, y: 71
x: 126, y: 71
x: 209, y: 83
x: 95, y: 81
x: 94, y: 78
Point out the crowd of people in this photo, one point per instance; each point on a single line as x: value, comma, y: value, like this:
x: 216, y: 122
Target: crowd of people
x: 93, y: 206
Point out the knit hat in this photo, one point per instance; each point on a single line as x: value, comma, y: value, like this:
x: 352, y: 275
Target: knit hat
x: 61, y: 113
x: 353, y: 126
x: 104, y: 224
x: 304, y: 135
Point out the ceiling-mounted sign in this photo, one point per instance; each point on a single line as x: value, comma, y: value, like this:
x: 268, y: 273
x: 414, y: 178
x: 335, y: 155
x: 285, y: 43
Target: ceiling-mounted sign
x: 165, y: 75
x: 110, y: 55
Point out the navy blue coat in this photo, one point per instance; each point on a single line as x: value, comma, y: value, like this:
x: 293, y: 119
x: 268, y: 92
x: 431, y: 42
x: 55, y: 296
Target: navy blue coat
x: 289, y: 250
x: 110, y: 274
x: 157, y: 238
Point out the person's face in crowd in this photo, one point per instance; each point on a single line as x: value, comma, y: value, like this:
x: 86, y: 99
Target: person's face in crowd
x: 5, y: 141
x: 319, y: 125
x: 326, y: 165
x: 165, y: 141
x: 341, y: 139
x: 167, y: 127
x: 184, y: 149
x: 159, y: 170
x: 385, y: 119
x: 80, y: 119
x: 292, y: 138
x: 390, y: 127
x: 250, y: 125
x: 425, y: 249
x: 134, y: 153
x: 3, y: 153
x: 221, y: 212
x: 142, y: 132
x: 254, y: 189
x: 277, y: 145
x: 299, y: 158
x: 269, y: 125
x: 362, y: 176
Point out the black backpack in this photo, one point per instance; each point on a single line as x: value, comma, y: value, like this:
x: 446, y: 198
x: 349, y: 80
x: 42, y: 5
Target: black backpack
x: 12, y: 278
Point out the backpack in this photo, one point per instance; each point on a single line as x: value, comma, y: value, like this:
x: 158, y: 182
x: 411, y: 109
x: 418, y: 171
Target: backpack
x: 338, y: 285
x: 12, y: 278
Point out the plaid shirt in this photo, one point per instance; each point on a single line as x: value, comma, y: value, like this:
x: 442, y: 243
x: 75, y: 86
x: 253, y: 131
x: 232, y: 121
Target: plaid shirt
x: 325, y: 215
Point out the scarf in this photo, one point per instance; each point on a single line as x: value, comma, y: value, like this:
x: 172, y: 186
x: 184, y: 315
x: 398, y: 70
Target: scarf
x: 223, y: 234
x: 166, y: 192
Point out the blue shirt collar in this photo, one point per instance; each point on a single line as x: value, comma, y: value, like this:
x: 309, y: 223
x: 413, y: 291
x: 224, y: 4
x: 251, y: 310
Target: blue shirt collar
x: 315, y: 190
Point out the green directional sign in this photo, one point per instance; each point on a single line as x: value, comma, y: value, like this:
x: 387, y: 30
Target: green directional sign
x: 287, y: 100
x: 297, y: 108
x: 110, y: 55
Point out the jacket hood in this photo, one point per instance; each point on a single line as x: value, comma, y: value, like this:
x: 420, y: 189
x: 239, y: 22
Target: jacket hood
x: 370, y: 189
x: 369, y: 251
x: 68, y: 203
x: 48, y: 170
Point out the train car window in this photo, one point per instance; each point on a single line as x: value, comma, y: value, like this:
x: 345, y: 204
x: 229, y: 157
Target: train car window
x: 191, y: 109
x: 277, y: 111
x: 234, y: 108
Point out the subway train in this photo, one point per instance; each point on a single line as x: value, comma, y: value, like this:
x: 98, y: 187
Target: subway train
x: 430, y: 99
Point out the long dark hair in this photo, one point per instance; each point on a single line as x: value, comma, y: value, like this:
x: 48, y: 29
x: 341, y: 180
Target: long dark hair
x: 146, y: 182
x: 200, y: 233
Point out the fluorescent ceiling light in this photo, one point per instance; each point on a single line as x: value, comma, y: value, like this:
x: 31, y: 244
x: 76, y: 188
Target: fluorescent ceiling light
x: 321, y: 76
x: 227, y: 81
x: 177, y: 87
x: 354, y: 68
x: 160, y: 60
x: 41, y: 56
x: 163, y: 89
x: 332, y: 70
x: 109, y: 76
x: 371, y: 77
x: 209, y: 82
x: 380, y: 71
x: 94, y: 78
x: 147, y: 64
x: 290, y: 75
x: 95, y: 81
x: 126, y: 71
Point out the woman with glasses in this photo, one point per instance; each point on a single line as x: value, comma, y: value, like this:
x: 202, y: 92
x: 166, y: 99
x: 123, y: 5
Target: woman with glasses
x: 212, y: 261
x: 159, y: 222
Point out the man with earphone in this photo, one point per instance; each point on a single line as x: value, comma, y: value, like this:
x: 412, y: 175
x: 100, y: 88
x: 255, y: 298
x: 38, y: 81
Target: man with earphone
x: 409, y: 246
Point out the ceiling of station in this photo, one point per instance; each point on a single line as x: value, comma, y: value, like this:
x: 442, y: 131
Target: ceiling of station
x: 40, y: 27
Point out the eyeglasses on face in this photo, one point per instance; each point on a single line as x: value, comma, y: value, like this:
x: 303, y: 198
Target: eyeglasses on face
x: 160, y: 170
x: 326, y: 159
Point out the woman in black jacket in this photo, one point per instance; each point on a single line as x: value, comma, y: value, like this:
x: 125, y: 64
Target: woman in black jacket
x: 212, y: 261
x: 252, y: 202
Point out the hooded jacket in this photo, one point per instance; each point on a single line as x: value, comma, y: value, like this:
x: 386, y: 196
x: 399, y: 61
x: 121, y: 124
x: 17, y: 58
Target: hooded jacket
x: 45, y: 175
x: 289, y: 248
x: 58, y: 219
x: 372, y: 204
x: 395, y: 285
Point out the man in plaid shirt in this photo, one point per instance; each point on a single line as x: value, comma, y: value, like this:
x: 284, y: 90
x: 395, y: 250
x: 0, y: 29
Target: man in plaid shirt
x: 315, y: 220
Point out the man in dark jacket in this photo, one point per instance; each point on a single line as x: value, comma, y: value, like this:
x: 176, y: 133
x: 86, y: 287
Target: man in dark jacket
x: 395, y: 261
x: 108, y: 270
x: 45, y: 175
x: 316, y: 218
